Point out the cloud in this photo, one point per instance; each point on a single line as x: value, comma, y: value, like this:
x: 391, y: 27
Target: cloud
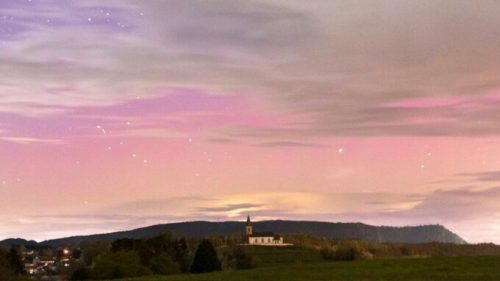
x: 28, y: 140
x: 343, y: 68
x: 221, y: 207
x: 56, y: 226
x: 231, y: 28
x: 221, y: 140
x: 174, y: 113
x: 101, y: 63
x: 372, y: 62
x: 230, y: 208
x: 290, y: 144
x: 473, y: 214
x: 491, y: 176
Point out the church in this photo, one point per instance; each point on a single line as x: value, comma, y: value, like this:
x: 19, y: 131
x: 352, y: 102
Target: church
x: 262, y: 238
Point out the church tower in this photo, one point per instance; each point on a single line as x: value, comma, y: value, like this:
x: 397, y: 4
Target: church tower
x: 248, y: 227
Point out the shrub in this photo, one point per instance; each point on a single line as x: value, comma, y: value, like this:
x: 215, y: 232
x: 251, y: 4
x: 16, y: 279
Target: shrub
x: 80, y: 273
x: 240, y: 257
x: 164, y: 264
x: 343, y: 251
x: 327, y: 252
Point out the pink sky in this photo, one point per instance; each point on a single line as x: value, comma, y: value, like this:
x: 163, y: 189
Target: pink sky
x: 112, y: 117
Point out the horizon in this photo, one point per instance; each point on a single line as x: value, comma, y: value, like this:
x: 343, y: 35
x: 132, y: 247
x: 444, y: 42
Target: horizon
x: 226, y: 221
x: 127, y: 113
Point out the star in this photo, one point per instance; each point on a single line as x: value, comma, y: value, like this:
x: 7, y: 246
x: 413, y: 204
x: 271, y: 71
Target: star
x: 100, y: 128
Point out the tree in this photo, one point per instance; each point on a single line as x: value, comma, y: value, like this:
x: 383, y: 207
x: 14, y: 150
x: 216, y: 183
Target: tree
x: 92, y: 251
x: 344, y: 250
x: 5, y: 269
x: 15, y: 261
x: 182, y: 254
x: 76, y: 254
x: 119, y: 265
x: 205, y: 258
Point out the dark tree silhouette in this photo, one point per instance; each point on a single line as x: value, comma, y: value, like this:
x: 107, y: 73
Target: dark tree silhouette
x: 15, y: 261
x: 76, y: 254
x: 205, y: 258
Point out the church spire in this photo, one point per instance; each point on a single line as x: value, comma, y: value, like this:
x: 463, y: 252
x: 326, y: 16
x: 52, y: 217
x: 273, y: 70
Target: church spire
x: 248, y: 227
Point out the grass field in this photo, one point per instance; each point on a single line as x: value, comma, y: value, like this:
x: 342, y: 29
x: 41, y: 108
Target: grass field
x: 273, y: 256
x: 437, y: 268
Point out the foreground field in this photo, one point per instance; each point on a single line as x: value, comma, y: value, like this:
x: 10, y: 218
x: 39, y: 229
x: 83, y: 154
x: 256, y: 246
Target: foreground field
x: 437, y: 268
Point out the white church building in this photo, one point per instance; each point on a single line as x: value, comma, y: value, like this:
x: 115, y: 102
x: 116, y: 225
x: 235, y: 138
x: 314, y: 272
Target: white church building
x: 262, y: 238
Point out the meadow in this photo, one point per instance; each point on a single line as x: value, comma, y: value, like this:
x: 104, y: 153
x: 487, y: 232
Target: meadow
x: 299, y: 265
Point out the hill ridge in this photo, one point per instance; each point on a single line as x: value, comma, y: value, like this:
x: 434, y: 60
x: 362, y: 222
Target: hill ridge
x: 331, y: 230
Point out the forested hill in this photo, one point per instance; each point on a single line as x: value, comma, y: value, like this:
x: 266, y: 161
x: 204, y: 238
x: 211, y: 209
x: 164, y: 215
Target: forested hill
x: 408, y: 234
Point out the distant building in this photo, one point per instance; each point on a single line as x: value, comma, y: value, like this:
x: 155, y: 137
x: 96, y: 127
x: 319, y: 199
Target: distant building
x: 262, y: 238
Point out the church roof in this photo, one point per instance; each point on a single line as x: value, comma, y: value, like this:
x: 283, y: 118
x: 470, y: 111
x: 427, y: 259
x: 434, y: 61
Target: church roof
x: 265, y: 234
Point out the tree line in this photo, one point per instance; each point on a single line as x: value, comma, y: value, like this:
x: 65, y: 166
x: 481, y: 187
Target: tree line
x: 169, y: 254
x: 162, y: 255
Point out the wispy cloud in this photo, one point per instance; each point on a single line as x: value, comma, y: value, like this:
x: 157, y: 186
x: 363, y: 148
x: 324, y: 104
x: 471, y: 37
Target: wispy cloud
x: 290, y: 144
x: 361, y: 76
x: 458, y: 209
x: 490, y: 176
x: 29, y: 140
x: 230, y: 208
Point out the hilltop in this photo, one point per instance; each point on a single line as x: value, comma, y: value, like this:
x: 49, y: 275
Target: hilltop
x: 407, y: 234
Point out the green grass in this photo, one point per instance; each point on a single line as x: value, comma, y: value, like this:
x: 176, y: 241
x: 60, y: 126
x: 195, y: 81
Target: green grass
x: 437, y: 268
x: 272, y: 256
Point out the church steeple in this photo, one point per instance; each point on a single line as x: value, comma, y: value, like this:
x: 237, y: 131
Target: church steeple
x: 248, y: 227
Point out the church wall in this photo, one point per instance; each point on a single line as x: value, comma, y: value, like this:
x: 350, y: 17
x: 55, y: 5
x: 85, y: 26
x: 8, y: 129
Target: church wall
x: 264, y: 240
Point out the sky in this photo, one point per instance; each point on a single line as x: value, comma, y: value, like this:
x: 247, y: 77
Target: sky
x: 120, y: 114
